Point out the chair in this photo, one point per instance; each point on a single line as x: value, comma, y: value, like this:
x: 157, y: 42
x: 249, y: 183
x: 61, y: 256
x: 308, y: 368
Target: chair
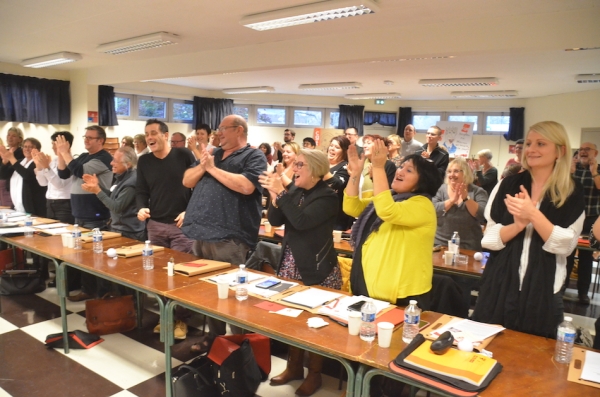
x: 264, y: 252
x: 447, y: 297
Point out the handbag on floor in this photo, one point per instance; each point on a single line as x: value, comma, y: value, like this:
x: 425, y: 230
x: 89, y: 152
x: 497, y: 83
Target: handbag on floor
x: 21, y: 282
x: 110, y: 315
x: 77, y: 340
x: 11, y: 258
x: 235, y: 370
x: 194, y: 379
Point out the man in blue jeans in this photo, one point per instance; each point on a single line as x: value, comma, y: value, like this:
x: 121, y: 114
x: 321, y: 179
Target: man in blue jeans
x: 88, y: 210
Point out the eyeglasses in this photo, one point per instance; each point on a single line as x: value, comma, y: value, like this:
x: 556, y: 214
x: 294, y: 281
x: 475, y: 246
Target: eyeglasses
x: 431, y: 134
x: 298, y: 164
x: 28, y: 147
x: 349, y: 134
x: 172, y: 142
x: 585, y: 149
x: 222, y: 129
x: 89, y: 138
x: 450, y: 172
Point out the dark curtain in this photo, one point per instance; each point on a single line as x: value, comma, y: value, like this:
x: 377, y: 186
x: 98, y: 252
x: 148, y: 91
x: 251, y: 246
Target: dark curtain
x: 351, y: 116
x: 387, y: 119
x: 107, y: 114
x: 405, y: 119
x: 516, y: 126
x: 211, y: 111
x: 32, y: 100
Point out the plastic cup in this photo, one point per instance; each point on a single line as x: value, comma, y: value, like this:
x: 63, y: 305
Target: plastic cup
x: 448, y: 256
x: 223, y: 288
x: 354, y: 320
x: 384, y: 334
x: 65, y: 239
x: 337, y: 236
x: 462, y: 259
x: 70, y: 240
x: 267, y: 227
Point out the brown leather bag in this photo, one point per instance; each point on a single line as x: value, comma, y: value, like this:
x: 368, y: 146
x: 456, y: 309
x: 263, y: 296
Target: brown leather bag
x: 110, y: 315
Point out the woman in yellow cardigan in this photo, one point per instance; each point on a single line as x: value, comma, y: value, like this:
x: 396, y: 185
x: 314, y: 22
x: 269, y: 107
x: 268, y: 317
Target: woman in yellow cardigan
x: 393, y: 236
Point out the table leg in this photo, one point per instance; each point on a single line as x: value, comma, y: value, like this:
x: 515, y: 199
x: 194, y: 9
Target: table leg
x: 167, y: 328
x: 62, y: 290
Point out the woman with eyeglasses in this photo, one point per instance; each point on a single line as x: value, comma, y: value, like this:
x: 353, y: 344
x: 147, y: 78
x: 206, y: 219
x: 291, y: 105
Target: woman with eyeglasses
x: 394, y: 144
x: 308, y: 210
x: 459, y: 206
x: 26, y: 193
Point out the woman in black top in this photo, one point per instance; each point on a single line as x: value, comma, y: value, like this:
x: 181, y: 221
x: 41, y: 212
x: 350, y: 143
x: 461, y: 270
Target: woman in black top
x: 337, y: 177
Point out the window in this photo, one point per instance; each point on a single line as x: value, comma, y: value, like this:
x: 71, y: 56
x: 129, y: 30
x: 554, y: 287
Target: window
x: 334, y: 118
x: 422, y: 122
x: 241, y: 111
x: 465, y: 118
x: 308, y: 118
x: 183, y: 111
x: 381, y: 118
x: 268, y: 115
x: 123, y: 105
x: 149, y: 107
x: 497, y: 123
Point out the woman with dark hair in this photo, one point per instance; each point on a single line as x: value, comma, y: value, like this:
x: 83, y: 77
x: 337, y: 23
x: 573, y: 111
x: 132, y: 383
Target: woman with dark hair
x: 26, y: 193
x: 337, y: 177
x: 266, y: 149
x: 127, y: 141
x: 394, y: 233
x: 366, y: 180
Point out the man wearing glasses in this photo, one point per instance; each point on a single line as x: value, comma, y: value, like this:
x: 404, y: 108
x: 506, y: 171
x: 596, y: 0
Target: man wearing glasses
x: 178, y: 140
x: 432, y: 150
x: 409, y: 144
x: 88, y: 210
x: 352, y: 134
x: 288, y: 136
x: 223, y: 216
x: 584, y: 168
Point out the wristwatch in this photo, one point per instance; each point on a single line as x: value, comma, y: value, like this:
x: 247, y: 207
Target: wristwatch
x: 466, y: 199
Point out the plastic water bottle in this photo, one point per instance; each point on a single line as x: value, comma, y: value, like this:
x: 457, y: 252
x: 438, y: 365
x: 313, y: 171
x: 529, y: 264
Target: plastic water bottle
x: 565, y: 338
x: 367, y: 325
x: 76, y: 233
x: 241, y: 291
x: 148, y: 256
x: 4, y: 217
x: 456, y: 242
x: 412, y: 317
x: 28, y: 226
x: 97, y: 246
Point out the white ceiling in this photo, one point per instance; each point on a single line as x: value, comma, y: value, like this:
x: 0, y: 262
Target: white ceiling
x: 521, y: 42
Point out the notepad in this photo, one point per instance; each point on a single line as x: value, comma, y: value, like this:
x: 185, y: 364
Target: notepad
x: 311, y: 297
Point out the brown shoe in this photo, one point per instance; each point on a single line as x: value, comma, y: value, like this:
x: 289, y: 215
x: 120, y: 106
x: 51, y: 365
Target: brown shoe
x: 313, y: 380
x: 82, y: 296
x: 294, y: 369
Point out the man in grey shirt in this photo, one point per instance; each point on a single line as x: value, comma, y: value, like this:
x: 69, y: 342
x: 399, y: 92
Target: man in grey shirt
x: 409, y: 144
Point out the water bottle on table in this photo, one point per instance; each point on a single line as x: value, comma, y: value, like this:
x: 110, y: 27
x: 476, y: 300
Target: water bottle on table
x: 367, y: 325
x: 28, y: 226
x: 76, y: 233
x: 412, y: 317
x: 241, y: 291
x: 97, y: 245
x: 565, y: 338
x: 148, y: 256
x: 456, y: 242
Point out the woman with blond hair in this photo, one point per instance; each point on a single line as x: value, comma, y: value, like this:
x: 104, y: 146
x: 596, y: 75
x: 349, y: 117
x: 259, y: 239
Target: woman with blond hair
x: 534, y: 221
x: 285, y: 168
x: 14, y: 139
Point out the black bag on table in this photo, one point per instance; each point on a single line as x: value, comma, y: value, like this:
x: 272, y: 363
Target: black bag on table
x: 21, y: 282
x: 194, y: 379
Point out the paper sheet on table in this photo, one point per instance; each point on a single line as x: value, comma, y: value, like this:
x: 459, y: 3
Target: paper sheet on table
x: 232, y: 277
x: 289, y: 312
x: 11, y: 230
x: 311, y: 297
x: 17, y: 218
x: 340, y: 310
x: 51, y: 226
x: 267, y: 292
x: 57, y: 231
x: 591, y: 367
x: 12, y: 214
x: 466, y: 329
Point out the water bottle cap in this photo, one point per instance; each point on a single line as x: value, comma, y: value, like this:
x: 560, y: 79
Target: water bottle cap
x: 242, y: 267
x: 147, y: 241
x: 568, y: 318
x: 75, y: 225
x: 412, y: 302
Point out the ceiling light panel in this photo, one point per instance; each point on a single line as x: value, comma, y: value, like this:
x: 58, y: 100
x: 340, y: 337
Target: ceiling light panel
x: 51, y: 60
x: 147, y: 42
x: 309, y: 13
x: 484, y: 94
x: 331, y: 86
x: 469, y: 82
x: 388, y: 95
x: 588, y: 78
x: 248, y: 90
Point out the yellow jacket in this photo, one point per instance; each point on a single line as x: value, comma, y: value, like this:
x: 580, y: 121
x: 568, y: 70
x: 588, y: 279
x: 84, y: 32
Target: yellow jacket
x: 397, y: 259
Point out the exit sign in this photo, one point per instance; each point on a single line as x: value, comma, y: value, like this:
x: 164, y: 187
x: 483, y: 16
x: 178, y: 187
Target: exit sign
x: 379, y: 102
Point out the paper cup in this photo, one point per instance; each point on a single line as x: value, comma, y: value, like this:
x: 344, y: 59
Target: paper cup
x: 448, y: 256
x: 70, y: 240
x: 267, y: 227
x: 337, y: 236
x: 65, y: 239
x: 384, y: 334
x: 223, y: 288
x: 354, y: 320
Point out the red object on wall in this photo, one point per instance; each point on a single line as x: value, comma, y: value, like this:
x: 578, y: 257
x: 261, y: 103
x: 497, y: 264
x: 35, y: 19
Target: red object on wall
x: 317, y: 136
x: 92, y: 117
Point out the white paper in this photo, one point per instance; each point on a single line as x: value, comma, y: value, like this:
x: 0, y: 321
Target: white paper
x: 10, y: 230
x: 57, y: 231
x: 266, y: 292
x: 51, y: 226
x: 311, y: 297
x: 17, y: 218
x: 591, y: 367
x: 13, y: 213
x: 289, y: 312
x: 463, y: 329
x: 340, y: 309
x: 232, y: 277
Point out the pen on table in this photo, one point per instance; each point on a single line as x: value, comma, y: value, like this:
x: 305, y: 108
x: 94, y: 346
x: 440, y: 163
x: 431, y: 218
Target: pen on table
x: 335, y: 303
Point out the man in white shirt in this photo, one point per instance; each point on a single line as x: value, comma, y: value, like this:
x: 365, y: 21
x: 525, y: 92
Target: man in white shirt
x: 409, y: 144
x: 58, y: 195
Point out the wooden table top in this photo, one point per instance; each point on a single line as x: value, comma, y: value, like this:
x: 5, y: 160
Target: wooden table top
x: 473, y: 268
x: 528, y: 366
x: 342, y: 247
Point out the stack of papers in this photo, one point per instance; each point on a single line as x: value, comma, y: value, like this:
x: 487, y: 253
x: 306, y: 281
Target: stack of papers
x: 472, y: 331
x: 339, y: 309
x: 591, y: 367
x: 311, y: 297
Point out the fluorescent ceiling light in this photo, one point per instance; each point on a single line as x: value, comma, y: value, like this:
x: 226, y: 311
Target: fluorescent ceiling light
x: 140, y: 43
x: 414, y: 59
x: 588, y: 78
x: 484, y: 94
x: 330, y: 86
x: 51, y: 60
x: 248, y: 90
x: 582, y: 49
x: 389, y: 95
x: 470, y: 82
x: 308, y: 13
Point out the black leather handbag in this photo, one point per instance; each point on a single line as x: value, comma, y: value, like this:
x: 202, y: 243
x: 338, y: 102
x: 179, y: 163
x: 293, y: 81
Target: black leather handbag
x: 194, y: 379
x: 21, y: 282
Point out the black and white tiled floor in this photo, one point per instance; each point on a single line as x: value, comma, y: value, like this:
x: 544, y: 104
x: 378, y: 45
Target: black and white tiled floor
x: 124, y: 365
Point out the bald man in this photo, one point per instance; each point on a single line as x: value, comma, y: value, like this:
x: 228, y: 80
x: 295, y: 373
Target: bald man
x: 409, y: 144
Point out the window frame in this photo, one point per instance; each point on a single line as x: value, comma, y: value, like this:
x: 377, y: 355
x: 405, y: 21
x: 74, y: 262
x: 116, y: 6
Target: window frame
x: 171, y: 104
x: 491, y: 132
x: 423, y: 131
x: 132, y: 109
x: 139, y: 98
x: 292, y: 116
x: 328, y: 112
x: 259, y: 124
